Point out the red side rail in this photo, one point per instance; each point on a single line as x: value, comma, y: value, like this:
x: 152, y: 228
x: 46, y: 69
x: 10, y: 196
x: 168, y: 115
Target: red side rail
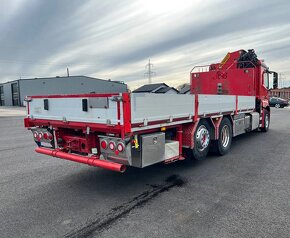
x: 28, y: 122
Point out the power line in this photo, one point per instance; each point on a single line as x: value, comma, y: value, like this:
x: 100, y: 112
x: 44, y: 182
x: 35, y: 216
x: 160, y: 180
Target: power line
x: 149, y: 73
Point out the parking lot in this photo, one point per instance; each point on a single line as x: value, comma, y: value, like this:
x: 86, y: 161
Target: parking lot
x: 242, y: 194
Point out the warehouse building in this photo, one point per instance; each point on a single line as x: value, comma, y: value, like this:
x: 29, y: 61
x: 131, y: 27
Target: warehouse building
x: 185, y: 89
x: 281, y: 93
x: 13, y: 93
x: 156, y: 88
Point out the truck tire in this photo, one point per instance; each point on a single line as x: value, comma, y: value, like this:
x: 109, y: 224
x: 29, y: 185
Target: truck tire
x: 266, y: 121
x: 201, y: 141
x: 222, y: 145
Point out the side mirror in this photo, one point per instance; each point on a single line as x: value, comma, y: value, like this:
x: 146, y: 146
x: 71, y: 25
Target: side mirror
x: 275, y: 80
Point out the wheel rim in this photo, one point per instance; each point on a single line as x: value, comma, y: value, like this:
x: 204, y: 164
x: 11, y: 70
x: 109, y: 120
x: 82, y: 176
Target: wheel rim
x: 202, y: 138
x: 266, y: 121
x: 225, y: 136
x: 277, y: 105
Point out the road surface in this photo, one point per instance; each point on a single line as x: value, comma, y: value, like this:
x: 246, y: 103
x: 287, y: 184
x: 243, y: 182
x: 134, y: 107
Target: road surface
x: 242, y: 194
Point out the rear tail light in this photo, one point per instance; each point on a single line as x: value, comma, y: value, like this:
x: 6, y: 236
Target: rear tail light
x: 121, y: 147
x: 112, y: 145
x: 50, y: 137
x: 35, y: 135
x: 45, y: 136
x: 104, y: 144
x: 40, y: 135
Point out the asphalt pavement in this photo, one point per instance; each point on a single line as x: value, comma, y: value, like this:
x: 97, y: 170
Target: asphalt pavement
x: 12, y: 111
x: 245, y: 193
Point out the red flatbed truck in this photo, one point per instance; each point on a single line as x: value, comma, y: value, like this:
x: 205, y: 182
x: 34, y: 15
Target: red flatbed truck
x: 113, y: 131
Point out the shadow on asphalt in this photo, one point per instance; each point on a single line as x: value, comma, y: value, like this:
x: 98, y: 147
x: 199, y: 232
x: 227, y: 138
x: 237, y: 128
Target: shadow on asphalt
x: 136, y: 186
x: 96, y: 179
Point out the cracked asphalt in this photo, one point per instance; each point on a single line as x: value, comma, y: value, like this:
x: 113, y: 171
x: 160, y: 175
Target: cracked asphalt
x: 245, y: 193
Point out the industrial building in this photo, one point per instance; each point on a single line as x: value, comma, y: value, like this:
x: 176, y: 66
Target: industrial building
x: 156, y: 88
x: 13, y: 93
x: 185, y: 89
x: 281, y: 93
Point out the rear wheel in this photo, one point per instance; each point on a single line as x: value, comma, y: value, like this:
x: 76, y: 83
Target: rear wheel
x: 201, y: 141
x: 266, y: 121
x: 223, y: 144
x: 277, y: 105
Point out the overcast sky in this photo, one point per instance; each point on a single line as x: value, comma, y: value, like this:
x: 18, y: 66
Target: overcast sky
x: 114, y: 39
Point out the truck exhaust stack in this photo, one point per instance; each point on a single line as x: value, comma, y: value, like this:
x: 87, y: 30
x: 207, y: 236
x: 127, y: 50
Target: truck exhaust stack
x: 92, y: 161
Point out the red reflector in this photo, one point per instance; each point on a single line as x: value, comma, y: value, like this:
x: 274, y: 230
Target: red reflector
x: 50, y: 137
x: 112, y: 145
x: 104, y: 144
x: 45, y: 136
x: 121, y: 147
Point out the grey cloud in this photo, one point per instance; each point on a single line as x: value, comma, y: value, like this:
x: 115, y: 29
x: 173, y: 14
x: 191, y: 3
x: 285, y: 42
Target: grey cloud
x: 42, y: 31
x: 258, y: 17
x: 44, y: 28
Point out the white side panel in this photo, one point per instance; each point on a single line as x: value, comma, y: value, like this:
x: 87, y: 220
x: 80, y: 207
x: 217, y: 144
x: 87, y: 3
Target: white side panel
x: 154, y: 107
x: 70, y: 109
x: 216, y: 103
x: 246, y: 102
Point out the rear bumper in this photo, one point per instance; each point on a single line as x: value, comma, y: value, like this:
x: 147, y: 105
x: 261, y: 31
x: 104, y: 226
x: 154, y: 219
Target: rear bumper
x: 92, y: 161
